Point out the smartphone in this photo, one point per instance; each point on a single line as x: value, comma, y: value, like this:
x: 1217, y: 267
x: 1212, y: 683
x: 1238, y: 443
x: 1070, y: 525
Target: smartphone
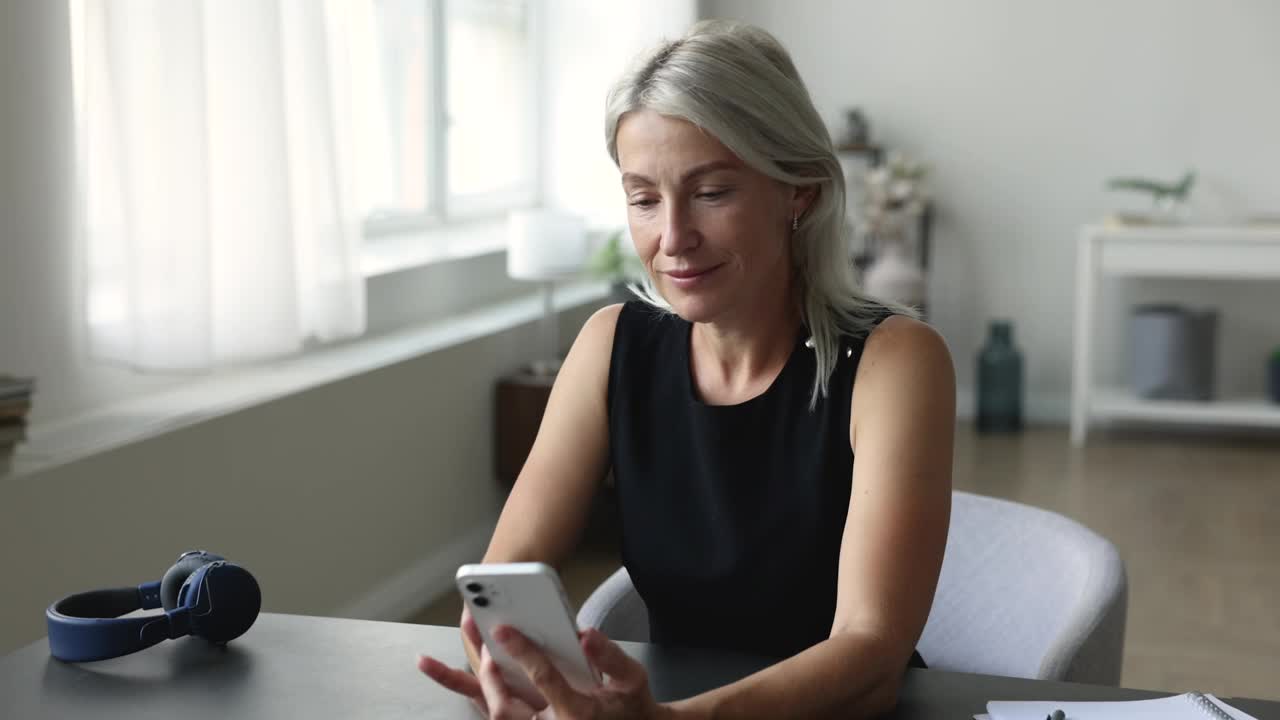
x: 527, y: 596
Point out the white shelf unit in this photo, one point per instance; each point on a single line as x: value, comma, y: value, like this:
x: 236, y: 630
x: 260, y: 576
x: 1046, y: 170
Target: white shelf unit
x: 1120, y: 404
x: 1175, y: 251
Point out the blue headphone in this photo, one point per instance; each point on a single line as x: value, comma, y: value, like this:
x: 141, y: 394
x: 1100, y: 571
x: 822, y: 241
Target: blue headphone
x: 203, y: 595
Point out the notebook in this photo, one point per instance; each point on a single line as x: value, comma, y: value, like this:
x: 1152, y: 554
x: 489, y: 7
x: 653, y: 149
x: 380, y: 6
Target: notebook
x: 1190, y: 706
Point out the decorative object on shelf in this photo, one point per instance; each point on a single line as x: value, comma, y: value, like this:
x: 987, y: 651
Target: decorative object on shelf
x: 1167, y: 198
x: 857, y: 155
x: 546, y: 246
x: 857, y: 130
x: 1000, y: 381
x: 886, y: 207
x: 894, y: 276
x: 895, y: 187
x: 891, y: 223
x: 616, y: 262
x: 1172, y: 352
x: 15, y: 405
x: 1273, y: 375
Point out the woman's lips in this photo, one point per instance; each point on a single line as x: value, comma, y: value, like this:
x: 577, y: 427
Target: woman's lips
x: 690, y: 278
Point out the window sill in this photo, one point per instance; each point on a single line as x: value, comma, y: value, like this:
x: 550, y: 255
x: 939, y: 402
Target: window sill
x: 393, y: 252
x: 404, y: 251
x: 137, y: 420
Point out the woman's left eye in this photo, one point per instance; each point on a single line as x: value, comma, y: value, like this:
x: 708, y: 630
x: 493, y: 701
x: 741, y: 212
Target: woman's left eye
x: 712, y: 194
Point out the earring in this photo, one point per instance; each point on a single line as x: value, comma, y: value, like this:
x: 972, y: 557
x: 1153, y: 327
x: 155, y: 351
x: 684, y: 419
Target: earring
x: 795, y: 223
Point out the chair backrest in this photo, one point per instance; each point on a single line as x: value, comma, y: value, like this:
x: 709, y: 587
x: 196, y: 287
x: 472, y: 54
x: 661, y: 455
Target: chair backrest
x: 615, y: 609
x: 1024, y: 592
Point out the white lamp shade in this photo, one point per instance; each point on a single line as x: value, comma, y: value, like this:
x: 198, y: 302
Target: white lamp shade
x: 545, y: 244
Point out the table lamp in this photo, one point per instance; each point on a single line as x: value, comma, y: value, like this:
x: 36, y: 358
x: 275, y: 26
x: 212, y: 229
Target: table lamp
x: 545, y: 246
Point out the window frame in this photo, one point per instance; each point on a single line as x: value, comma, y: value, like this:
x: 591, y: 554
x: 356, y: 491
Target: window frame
x: 443, y: 208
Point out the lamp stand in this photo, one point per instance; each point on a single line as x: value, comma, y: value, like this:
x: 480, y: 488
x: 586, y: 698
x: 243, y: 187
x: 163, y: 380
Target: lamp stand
x: 549, y: 362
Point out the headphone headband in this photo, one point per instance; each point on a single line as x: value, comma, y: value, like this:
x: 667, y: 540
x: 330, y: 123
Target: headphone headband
x: 87, y: 626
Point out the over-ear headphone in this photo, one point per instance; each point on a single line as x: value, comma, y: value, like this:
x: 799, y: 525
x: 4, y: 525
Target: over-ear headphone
x: 203, y: 595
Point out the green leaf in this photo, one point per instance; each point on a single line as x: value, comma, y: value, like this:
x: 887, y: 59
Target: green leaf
x: 612, y: 263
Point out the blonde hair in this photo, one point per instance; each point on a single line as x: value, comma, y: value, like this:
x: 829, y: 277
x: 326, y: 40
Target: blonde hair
x: 738, y: 83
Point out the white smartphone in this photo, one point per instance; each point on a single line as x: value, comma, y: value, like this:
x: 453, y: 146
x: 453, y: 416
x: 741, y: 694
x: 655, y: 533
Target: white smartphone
x: 528, y: 597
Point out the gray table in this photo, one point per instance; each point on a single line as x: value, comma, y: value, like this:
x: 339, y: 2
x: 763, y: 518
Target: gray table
x: 291, y: 666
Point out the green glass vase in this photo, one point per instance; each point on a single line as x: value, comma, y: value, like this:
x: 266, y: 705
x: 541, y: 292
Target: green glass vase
x: 999, y: 381
x: 1273, y: 376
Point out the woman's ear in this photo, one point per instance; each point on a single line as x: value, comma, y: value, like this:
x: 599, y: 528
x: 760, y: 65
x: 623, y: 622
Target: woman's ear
x: 802, y: 199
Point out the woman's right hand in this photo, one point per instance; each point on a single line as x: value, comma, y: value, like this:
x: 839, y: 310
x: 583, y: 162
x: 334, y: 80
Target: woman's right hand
x: 484, y: 684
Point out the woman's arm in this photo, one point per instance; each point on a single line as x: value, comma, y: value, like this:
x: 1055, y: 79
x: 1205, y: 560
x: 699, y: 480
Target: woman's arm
x: 547, y: 509
x: 545, y: 513
x: 902, y: 427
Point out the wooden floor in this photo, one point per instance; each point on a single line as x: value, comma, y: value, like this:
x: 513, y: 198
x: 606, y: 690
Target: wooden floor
x: 1196, y: 519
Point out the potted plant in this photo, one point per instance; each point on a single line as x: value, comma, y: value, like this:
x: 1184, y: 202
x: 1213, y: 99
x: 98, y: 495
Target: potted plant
x: 613, y: 263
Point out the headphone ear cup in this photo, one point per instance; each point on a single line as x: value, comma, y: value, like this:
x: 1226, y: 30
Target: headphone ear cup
x: 225, y: 600
x: 177, y: 575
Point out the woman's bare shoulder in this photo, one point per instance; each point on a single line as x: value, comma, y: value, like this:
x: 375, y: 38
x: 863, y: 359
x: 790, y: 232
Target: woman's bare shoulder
x: 598, y: 331
x: 905, y: 367
x: 587, y: 364
x: 899, y: 337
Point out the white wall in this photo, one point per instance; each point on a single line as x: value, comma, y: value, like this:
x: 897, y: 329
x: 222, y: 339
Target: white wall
x: 1024, y: 109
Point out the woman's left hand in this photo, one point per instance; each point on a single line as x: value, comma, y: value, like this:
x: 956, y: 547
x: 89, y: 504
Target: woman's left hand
x: 624, y: 695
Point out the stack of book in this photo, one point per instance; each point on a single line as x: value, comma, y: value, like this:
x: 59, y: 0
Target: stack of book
x: 15, y: 403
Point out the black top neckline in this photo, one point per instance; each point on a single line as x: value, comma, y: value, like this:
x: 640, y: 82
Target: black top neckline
x: 691, y: 393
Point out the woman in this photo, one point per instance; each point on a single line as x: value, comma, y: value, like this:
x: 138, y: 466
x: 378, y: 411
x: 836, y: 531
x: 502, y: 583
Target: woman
x: 781, y: 445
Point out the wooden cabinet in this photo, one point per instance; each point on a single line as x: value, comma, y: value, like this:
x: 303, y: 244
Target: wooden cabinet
x: 521, y: 400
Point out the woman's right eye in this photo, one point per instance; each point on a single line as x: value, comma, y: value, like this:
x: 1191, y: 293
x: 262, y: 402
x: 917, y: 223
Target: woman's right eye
x: 644, y: 202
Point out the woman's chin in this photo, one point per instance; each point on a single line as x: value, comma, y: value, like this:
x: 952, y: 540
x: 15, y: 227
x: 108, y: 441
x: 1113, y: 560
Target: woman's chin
x: 692, y: 308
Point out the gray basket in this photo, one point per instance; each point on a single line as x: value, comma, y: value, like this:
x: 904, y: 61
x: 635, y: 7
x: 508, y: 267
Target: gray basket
x: 1172, y: 352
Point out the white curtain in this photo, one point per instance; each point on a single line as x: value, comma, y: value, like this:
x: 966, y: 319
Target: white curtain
x: 219, y: 222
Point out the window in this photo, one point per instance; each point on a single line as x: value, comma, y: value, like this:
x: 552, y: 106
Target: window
x: 446, y: 118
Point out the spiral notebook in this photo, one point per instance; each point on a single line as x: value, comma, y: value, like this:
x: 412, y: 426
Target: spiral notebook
x: 1191, y: 706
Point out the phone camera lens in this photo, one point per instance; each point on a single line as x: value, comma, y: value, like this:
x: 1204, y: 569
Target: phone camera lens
x: 480, y: 601
x: 474, y: 587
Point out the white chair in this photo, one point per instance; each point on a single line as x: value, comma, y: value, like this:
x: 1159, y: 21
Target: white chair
x: 1024, y: 592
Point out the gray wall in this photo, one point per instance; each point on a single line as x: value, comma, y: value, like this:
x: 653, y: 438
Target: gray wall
x: 1024, y: 109
x: 325, y: 496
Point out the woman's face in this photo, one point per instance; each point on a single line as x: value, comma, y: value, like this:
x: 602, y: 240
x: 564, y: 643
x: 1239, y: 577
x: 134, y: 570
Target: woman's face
x: 712, y: 232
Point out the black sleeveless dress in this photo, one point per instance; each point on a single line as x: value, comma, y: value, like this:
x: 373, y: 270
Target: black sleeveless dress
x: 732, y: 516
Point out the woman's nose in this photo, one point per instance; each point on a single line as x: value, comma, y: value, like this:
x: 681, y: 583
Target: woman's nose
x: 678, y: 234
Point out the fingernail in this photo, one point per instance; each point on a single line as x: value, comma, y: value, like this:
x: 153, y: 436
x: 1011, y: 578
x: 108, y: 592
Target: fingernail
x: 502, y: 634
